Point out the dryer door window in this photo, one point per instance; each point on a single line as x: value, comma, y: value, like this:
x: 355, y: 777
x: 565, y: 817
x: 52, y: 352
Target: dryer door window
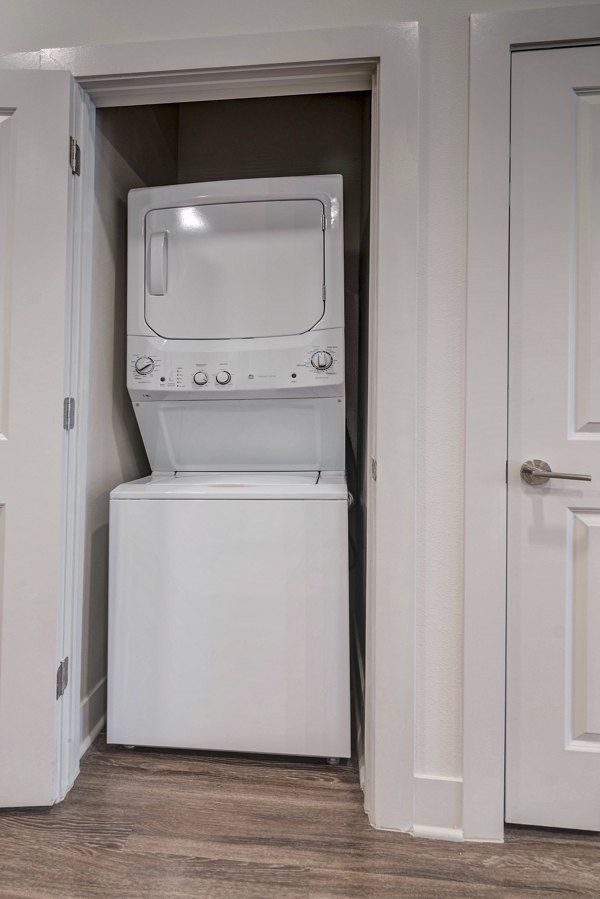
x: 250, y: 269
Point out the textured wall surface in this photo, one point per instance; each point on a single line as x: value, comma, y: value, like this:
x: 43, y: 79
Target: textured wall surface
x: 32, y: 24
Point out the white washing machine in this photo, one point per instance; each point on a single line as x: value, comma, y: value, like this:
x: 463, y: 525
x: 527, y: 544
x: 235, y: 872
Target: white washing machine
x: 228, y: 598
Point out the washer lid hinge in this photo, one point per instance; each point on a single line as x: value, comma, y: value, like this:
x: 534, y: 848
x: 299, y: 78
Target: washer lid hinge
x: 62, y: 677
x: 74, y: 156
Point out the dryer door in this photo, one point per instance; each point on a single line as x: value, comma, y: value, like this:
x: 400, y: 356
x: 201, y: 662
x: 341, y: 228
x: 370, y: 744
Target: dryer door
x: 249, y: 269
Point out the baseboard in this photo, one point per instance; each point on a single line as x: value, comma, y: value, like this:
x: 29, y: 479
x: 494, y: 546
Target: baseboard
x: 438, y: 807
x: 357, y: 673
x: 438, y: 833
x: 93, y: 715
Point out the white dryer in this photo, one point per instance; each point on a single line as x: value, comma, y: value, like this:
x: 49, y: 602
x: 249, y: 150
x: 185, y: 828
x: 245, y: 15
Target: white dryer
x: 228, y: 598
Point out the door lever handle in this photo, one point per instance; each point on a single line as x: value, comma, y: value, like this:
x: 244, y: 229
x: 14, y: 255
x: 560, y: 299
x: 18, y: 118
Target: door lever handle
x: 536, y: 472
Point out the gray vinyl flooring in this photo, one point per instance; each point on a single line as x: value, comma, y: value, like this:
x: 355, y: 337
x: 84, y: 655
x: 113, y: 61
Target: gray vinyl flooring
x: 178, y: 824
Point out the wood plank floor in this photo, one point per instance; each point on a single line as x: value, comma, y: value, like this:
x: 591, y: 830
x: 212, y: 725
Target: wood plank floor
x: 156, y: 824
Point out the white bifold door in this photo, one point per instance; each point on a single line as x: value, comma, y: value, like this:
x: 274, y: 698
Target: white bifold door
x: 553, y: 696
x: 34, y: 296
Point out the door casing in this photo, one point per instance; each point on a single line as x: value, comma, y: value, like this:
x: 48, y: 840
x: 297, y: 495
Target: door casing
x: 494, y: 37
x: 267, y: 65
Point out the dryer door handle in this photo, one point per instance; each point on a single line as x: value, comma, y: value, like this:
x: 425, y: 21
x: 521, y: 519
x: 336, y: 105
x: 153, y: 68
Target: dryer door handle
x: 157, y: 264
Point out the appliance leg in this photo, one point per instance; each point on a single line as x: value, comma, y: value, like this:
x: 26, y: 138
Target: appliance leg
x: 333, y: 760
x: 128, y: 746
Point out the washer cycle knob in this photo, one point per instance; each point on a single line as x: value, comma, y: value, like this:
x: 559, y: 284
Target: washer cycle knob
x: 321, y: 360
x: 200, y: 378
x: 144, y: 365
x: 223, y: 377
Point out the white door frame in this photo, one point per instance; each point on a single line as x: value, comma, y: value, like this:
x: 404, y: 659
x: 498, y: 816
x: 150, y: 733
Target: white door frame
x: 316, y: 61
x: 494, y: 37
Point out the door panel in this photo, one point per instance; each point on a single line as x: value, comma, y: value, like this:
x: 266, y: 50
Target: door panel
x: 34, y: 188
x: 586, y: 335
x: 553, y: 686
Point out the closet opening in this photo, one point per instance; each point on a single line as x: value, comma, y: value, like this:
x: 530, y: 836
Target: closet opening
x: 177, y: 143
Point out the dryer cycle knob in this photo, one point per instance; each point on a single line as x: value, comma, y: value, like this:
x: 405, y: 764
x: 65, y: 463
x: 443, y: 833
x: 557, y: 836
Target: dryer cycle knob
x: 144, y: 365
x: 321, y: 360
x: 200, y: 378
x: 223, y: 377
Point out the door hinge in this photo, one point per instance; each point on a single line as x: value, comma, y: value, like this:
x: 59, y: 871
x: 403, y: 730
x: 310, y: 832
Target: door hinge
x: 68, y: 413
x: 323, y: 221
x: 74, y: 156
x: 374, y: 469
x: 62, y: 677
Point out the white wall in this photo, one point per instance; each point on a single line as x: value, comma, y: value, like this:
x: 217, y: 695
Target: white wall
x: 32, y: 24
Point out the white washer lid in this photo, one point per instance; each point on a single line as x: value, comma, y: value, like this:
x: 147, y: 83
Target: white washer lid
x: 236, y: 485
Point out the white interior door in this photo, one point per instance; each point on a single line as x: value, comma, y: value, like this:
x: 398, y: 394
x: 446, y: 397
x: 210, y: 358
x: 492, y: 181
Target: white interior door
x: 34, y: 214
x: 553, y: 693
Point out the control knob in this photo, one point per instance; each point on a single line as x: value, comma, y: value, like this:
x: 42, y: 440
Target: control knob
x: 321, y: 360
x: 223, y: 377
x: 200, y: 378
x: 144, y: 365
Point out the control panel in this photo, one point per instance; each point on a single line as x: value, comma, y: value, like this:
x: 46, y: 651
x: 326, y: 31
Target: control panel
x: 312, y: 366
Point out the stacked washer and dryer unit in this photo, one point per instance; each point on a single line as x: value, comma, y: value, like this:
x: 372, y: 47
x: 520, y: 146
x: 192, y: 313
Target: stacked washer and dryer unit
x: 228, y: 599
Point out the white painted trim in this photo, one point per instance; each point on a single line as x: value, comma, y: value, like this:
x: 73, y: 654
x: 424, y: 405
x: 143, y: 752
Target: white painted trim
x: 492, y: 38
x: 86, y: 744
x: 83, y: 115
x: 67, y: 625
x: 390, y: 649
x: 392, y: 51
x: 280, y: 51
x: 231, y: 83
x: 426, y: 832
x: 97, y: 695
x: 369, y: 484
x: 438, y: 804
